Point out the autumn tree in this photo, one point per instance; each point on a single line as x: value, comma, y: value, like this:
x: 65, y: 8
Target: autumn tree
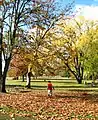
x: 88, y: 45
x: 73, y: 42
x: 40, y: 19
x: 18, y: 64
x: 43, y: 19
x: 13, y: 16
x: 65, y: 46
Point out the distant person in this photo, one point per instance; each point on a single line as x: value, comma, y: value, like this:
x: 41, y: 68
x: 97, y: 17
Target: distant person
x: 50, y: 88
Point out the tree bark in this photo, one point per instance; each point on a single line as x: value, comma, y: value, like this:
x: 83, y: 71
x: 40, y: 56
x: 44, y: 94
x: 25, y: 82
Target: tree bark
x: 7, y: 62
x: 78, y: 74
x: 79, y: 79
x: 23, y: 78
x: 0, y: 69
x: 28, y: 80
x: 1, y: 37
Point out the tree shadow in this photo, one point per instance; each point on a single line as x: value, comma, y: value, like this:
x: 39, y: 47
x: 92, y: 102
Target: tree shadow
x: 84, y: 96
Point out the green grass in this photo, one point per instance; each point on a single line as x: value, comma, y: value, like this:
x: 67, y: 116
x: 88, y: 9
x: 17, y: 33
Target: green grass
x: 58, y: 84
x: 7, y: 117
x: 7, y: 110
x: 42, y: 83
x: 4, y: 110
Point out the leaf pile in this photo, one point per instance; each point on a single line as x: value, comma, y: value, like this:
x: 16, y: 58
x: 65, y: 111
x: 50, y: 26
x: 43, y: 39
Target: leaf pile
x: 61, y: 106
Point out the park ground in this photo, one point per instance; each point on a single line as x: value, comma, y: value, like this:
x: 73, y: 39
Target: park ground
x: 67, y: 103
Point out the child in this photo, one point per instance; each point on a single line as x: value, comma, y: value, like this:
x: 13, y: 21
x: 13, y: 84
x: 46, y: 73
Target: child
x: 49, y: 88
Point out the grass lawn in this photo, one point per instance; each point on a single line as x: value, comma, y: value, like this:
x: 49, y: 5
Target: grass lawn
x: 58, y: 84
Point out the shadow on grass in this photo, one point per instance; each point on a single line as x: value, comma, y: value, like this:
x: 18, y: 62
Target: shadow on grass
x: 24, y: 89
x: 55, y: 81
x: 64, y: 86
x: 83, y: 95
x: 69, y: 87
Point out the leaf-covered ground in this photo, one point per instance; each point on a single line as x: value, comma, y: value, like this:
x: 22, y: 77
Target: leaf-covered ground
x: 36, y: 105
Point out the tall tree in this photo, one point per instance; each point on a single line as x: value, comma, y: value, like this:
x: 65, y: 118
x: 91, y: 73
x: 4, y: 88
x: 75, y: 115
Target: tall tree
x: 73, y: 42
x: 18, y: 13
x: 13, y: 15
x: 43, y: 19
x: 65, y: 46
x: 88, y: 45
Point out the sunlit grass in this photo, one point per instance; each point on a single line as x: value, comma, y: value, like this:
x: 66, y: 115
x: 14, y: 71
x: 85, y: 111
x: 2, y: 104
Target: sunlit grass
x: 66, y: 84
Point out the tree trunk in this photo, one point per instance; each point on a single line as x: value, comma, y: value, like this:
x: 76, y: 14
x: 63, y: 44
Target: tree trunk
x: 7, y: 62
x: 0, y: 83
x: 23, y: 78
x: 3, y: 85
x: 0, y: 71
x: 79, y: 79
x: 28, y: 80
x: 1, y: 37
x: 78, y: 74
x: 79, y: 70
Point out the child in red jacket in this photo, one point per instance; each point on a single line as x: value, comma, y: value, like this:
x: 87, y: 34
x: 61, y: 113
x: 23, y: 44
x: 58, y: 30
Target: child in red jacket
x: 50, y: 88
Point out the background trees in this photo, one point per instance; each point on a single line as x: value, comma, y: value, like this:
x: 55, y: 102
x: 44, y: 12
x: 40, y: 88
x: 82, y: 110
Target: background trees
x: 67, y: 46
x: 89, y: 46
x: 16, y: 17
x: 54, y: 40
x: 72, y: 44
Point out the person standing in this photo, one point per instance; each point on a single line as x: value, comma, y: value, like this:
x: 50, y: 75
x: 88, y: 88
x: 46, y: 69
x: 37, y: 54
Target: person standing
x: 50, y: 88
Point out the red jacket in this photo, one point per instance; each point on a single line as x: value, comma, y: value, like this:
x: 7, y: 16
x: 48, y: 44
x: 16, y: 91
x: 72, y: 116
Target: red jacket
x: 49, y: 86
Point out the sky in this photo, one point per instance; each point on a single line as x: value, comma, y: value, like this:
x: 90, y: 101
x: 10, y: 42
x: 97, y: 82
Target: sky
x: 86, y: 8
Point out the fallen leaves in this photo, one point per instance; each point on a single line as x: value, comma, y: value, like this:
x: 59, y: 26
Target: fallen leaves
x: 62, y: 106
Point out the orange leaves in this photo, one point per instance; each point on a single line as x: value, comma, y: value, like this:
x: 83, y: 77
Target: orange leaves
x: 1, y: 2
x: 62, y: 106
